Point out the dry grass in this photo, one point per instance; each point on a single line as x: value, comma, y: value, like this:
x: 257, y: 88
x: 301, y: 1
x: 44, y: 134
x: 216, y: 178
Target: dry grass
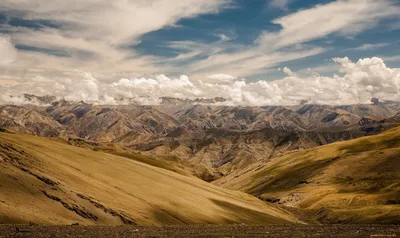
x: 355, y: 181
x: 50, y: 182
x: 166, y: 162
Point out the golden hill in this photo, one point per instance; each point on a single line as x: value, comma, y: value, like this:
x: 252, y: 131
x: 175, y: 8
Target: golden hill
x: 50, y: 182
x: 356, y: 181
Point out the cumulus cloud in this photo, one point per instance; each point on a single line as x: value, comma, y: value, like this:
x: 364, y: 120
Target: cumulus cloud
x: 288, y: 72
x: 149, y: 90
x: 361, y: 81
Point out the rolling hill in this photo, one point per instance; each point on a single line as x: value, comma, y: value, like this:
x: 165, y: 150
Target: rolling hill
x: 356, y: 181
x: 49, y: 181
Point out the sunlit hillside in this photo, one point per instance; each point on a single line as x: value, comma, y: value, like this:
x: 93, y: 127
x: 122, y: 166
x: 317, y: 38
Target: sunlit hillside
x: 46, y: 181
x: 356, y: 181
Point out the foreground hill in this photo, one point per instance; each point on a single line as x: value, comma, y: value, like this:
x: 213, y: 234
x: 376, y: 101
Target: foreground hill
x: 50, y: 182
x: 356, y: 181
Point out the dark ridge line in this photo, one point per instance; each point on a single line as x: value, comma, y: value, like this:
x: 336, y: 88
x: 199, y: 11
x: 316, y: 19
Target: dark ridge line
x: 20, y: 165
x: 74, y: 208
x: 124, y: 218
x: 41, y: 178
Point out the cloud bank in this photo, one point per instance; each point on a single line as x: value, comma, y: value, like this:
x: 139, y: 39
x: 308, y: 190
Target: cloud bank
x: 90, y: 35
x: 360, y: 81
x: 102, y: 36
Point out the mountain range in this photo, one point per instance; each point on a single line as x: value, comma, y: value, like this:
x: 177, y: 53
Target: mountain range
x: 65, y: 162
x: 214, y: 139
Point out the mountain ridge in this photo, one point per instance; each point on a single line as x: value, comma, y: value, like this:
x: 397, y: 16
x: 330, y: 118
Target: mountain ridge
x: 215, y: 139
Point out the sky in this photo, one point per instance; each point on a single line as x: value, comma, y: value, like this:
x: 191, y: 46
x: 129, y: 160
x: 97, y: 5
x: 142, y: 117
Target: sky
x: 251, y: 52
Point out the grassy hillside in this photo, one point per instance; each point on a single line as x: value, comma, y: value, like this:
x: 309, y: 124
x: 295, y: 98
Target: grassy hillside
x: 50, y: 182
x: 166, y: 162
x: 356, y: 181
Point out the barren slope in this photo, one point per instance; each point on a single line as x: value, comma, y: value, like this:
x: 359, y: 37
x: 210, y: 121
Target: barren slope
x: 356, y: 181
x: 50, y: 182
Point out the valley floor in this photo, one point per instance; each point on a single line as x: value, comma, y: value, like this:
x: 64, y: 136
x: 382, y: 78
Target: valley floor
x: 326, y: 231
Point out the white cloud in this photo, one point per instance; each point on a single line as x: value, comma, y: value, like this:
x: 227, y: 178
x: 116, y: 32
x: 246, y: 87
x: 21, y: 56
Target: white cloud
x: 361, y: 81
x: 273, y: 48
x: 320, y: 69
x: 370, y: 46
x: 371, y: 73
x: 119, y: 21
x: 8, y: 53
x: 223, y: 37
x: 348, y: 17
x: 149, y: 90
x: 249, y: 61
x: 288, y: 72
x: 96, y: 35
x: 395, y: 58
x: 281, y: 4
x: 222, y: 78
x: 191, y: 49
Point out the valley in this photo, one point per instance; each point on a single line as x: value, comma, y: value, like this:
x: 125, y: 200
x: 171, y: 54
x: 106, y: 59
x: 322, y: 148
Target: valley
x: 199, y: 118
x: 182, y: 163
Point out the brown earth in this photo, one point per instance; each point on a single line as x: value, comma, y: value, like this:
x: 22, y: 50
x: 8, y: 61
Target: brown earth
x: 282, y: 231
x: 355, y: 181
x: 47, y: 181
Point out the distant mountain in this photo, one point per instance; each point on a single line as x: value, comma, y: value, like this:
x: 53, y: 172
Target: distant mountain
x: 29, y: 119
x: 33, y: 99
x: 171, y: 100
x: 47, y: 99
x: 216, y: 139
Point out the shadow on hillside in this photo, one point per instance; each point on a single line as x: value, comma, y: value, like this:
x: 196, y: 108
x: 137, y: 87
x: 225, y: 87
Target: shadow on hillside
x: 239, y: 214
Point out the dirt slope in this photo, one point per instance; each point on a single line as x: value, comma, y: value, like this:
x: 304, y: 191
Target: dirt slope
x: 49, y: 182
x: 356, y: 181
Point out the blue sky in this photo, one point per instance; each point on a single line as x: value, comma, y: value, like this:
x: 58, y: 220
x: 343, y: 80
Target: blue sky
x: 179, y: 42
x: 212, y: 41
x: 243, y: 22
